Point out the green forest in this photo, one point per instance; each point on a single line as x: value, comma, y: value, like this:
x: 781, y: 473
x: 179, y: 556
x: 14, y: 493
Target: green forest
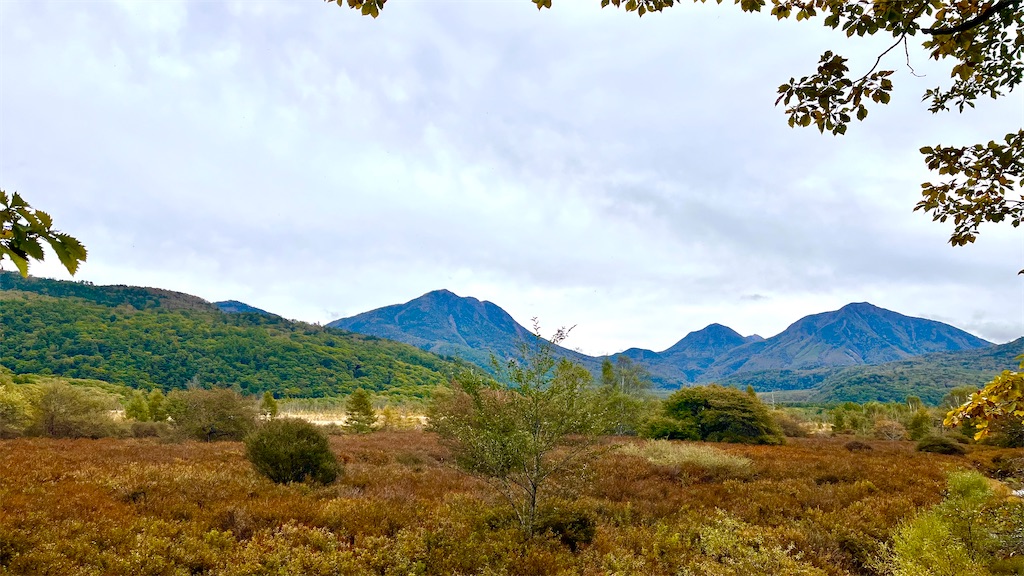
x: 166, y: 343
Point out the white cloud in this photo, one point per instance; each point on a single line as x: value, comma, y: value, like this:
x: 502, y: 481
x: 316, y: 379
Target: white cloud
x: 629, y: 176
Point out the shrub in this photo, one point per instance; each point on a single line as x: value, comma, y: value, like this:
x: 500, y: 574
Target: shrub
x: 665, y: 428
x: 210, y: 415
x: 939, y: 445
x: 790, y: 425
x: 14, y: 411
x: 571, y: 523
x: 291, y: 450
x: 857, y: 446
x: 60, y: 410
x: 722, y: 414
x: 920, y: 424
x: 885, y: 429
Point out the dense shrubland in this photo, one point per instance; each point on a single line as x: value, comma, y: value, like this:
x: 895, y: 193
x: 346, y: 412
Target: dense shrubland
x: 139, y: 506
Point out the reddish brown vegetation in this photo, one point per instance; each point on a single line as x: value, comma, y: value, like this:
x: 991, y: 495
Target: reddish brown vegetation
x: 143, y: 507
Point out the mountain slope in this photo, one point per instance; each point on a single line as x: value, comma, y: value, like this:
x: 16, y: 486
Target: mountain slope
x: 167, y: 347
x: 445, y: 323
x: 853, y: 335
x: 236, y: 307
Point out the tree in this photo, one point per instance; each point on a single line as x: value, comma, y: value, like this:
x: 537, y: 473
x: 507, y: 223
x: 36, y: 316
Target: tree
x: 136, y: 408
x: 211, y: 415
x: 23, y: 229
x: 268, y: 406
x: 360, y: 416
x: 157, y: 405
x: 1002, y: 398
x: 523, y: 436
x: 983, y: 40
x: 623, y: 391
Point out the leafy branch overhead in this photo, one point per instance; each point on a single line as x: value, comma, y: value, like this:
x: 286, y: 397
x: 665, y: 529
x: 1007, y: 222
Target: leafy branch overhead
x: 23, y: 230
x: 984, y: 44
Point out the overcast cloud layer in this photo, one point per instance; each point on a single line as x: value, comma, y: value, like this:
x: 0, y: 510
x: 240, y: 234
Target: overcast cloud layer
x: 629, y: 176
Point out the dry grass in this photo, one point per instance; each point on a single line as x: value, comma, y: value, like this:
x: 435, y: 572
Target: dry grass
x: 143, y: 507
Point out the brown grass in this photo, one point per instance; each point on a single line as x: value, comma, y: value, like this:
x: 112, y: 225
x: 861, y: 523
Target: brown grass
x: 145, y: 507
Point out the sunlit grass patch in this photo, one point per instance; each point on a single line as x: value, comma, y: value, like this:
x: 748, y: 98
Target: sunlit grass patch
x: 692, y: 460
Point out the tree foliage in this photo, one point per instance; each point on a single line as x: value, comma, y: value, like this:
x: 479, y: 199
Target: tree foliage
x: 525, y: 436
x: 624, y: 393
x: 23, y: 230
x: 983, y: 42
x: 1002, y: 398
x: 60, y: 410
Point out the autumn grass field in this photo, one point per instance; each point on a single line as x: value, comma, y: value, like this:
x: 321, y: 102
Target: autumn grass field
x: 139, y: 506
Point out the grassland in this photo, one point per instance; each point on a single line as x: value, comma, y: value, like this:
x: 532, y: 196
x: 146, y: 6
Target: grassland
x: 138, y: 506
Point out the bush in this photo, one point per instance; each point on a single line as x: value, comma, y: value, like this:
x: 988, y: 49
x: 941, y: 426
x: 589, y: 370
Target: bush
x: 210, y: 415
x: 857, y: 446
x: 665, y: 428
x: 60, y: 410
x: 791, y: 426
x: 14, y: 411
x: 570, y: 522
x: 721, y: 414
x: 885, y: 429
x: 939, y: 445
x: 291, y: 450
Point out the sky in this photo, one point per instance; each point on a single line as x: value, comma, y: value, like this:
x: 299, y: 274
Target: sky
x: 631, y: 177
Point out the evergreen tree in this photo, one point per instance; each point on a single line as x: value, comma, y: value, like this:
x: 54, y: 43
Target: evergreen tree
x: 360, y: 415
x: 268, y: 407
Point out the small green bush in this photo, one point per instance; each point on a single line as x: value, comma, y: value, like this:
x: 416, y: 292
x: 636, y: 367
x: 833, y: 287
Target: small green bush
x: 291, y: 450
x: 665, y: 428
x: 939, y: 445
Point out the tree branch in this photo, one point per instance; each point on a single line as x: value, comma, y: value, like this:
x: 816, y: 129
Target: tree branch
x: 968, y: 24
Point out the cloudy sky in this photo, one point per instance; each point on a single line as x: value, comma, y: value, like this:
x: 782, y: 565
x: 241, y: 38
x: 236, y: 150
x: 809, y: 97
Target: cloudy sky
x: 628, y: 176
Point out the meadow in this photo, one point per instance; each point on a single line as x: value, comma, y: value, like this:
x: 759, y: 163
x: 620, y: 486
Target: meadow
x: 143, y: 506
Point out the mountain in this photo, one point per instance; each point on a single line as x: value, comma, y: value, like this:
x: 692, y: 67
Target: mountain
x: 688, y: 359
x: 855, y: 334
x: 146, y: 338
x: 831, y: 347
x: 450, y: 325
x: 236, y: 307
x: 928, y: 377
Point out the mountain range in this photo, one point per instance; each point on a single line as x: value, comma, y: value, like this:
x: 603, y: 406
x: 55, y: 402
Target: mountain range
x: 149, y: 337
x: 857, y: 334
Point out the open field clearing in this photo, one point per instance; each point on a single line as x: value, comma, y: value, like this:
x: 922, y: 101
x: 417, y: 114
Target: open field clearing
x: 143, y: 507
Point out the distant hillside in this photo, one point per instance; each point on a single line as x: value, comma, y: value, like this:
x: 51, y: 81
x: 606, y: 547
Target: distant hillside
x: 856, y: 334
x: 134, y: 296
x: 236, y: 307
x: 687, y: 360
x: 168, y: 347
x: 928, y: 377
x: 445, y: 323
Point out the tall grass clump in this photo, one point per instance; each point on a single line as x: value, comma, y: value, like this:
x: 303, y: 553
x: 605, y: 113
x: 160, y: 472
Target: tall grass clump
x: 692, y: 459
x: 290, y: 450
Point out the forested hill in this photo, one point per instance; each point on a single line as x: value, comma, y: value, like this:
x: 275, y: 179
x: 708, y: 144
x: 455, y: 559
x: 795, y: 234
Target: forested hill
x: 138, y: 341
x: 134, y: 296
